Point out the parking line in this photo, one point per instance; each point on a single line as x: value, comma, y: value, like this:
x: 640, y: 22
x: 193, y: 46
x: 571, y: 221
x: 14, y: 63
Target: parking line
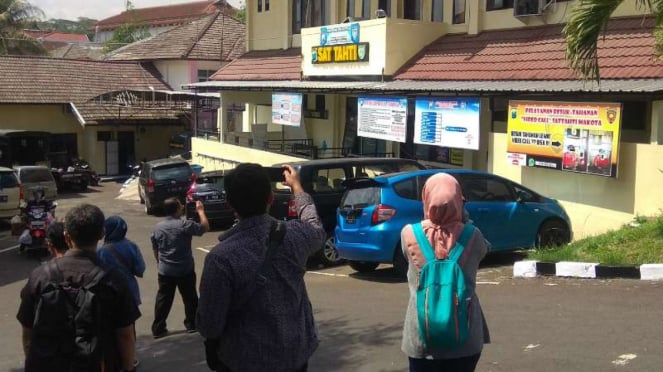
x: 328, y: 274
x: 493, y: 283
x: 203, y: 249
x: 10, y: 248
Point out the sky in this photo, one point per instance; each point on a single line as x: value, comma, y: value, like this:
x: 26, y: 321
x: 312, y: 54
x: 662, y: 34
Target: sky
x: 98, y: 9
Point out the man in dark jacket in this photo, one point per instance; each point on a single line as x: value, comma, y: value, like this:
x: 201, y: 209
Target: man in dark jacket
x: 46, y: 351
x: 272, y: 327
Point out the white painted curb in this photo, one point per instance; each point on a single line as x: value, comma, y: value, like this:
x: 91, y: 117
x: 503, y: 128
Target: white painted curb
x: 576, y: 269
x: 651, y: 272
x: 524, y: 269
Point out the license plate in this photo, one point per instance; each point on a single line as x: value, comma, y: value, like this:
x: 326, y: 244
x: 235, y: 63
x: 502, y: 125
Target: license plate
x: 212, y: 197
x: 3, y: 198
x: 174, y: 189
x: 37, y: 223
x: 351, y: 218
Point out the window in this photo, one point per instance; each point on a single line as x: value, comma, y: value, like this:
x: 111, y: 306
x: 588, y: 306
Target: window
x: 266, y: 5
x: 309, y: 13
x: 350, y: 8
x: 483, y: 188
x: 634, y: 115
x: 259, y: 6
x: 366, y: 9
x: 319, y: 102
x: 104, y: 136
x: 204, y: 75
x: 498, y: 4
x: 385, y: 5
x: 413, y: 10
x: 436, y: 13
x: 407, y: 189
x: 459, y: 12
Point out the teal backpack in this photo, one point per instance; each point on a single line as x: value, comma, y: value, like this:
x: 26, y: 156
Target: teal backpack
x: 443, y: 301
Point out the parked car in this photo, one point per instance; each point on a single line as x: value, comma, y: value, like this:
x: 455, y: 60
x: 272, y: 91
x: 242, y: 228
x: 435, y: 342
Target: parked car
x: 10, y: 194
x: 322, y: 179
x: 33, y: 177
x: 510, y: 216
x: 161, y: 179
x: 208, y: 188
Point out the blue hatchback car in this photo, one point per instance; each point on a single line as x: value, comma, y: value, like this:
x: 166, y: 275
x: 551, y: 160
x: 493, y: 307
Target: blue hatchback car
x: 510, y: 216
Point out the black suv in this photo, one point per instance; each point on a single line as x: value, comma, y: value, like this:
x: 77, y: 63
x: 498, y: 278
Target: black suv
x: 322, y: 179
x: 161, y: 179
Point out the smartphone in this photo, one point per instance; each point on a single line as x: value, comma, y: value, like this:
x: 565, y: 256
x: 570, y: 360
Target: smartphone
x: 275, y: 174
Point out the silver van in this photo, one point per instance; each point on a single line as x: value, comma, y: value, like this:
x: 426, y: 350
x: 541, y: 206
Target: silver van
x: 33, y: 176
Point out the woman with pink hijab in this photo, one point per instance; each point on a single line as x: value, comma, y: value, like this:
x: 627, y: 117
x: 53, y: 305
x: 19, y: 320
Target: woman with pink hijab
x: 443, y: 223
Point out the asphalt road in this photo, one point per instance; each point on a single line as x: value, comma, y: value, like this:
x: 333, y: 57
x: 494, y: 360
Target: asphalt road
x: 542, y: 324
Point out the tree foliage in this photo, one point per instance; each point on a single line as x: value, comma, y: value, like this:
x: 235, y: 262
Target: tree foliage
x: 241, y: 14
x: 127, y: 33
x: 82, y: 25
x: 589, y: 21
x: 16, y: 16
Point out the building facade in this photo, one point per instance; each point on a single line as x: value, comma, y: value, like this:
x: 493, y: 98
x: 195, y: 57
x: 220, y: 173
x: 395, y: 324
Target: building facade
x: 497, y: 56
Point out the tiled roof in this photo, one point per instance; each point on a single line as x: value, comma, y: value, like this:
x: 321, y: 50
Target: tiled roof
x: 276, y: 64
x: 56, y: 36
x: 200, y: 40
x: 535, y: 53
x: 38, y: 80
x: 175, y: 14
x: 78, y: 51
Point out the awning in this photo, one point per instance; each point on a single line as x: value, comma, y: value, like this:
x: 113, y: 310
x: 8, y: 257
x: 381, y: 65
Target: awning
x: 440, y: 87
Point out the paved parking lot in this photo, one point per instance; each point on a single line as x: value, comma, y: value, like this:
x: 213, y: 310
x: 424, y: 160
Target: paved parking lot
x: 542, y: 324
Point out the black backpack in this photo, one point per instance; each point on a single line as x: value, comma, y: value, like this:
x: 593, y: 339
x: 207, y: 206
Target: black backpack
x: 68, y: 325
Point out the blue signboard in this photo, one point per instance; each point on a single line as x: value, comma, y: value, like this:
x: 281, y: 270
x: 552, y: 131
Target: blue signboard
x: 447, y: 122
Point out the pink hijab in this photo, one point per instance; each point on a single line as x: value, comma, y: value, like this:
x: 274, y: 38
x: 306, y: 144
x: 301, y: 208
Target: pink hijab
x: 443, y: 212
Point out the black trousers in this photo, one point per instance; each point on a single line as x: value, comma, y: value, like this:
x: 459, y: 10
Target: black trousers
x: 466, y: 364
x: 165, y: 295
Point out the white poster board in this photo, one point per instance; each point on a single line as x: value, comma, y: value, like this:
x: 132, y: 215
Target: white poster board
x: 287, y: 108
x: 447, y: 122
x: 382, y: 118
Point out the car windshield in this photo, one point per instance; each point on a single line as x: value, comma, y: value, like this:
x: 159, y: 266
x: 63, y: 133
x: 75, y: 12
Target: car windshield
x: 361, y: 197
x: 169, y: 172
x: 214, y: 181
x: 31, y: 175
x: 7, y: 180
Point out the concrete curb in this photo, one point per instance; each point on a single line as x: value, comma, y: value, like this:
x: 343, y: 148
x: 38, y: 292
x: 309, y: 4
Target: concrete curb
x: 588, y: 270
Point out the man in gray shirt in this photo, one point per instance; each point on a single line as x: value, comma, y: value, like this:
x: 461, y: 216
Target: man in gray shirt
x: 171, y: 242
x: 270, y: 326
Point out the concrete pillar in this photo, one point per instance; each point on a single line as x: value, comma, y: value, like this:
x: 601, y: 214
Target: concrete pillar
x: 472, y: 17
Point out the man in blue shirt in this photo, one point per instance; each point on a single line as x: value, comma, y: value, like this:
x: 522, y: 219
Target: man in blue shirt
x: 171, y: 242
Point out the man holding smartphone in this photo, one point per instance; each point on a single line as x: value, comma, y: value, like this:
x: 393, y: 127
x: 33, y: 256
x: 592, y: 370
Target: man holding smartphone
x: 254, y: 310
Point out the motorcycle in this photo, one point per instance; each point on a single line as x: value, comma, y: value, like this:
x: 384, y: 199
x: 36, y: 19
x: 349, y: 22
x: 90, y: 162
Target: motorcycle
x: 38, y: 214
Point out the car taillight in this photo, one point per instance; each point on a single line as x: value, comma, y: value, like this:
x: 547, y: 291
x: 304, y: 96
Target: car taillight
x: 292, y: 209
x: 150, y: 185
x: 193, y: 177
x: 382, y: 213
x: 21, y: 193
x: 189, y: 193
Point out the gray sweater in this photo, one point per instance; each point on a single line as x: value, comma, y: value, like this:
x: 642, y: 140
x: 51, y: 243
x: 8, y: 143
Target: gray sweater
x: 412, y: 345
x: 274, y: 329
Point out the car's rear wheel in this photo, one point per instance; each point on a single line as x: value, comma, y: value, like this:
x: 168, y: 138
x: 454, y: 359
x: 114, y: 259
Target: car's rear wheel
x: 328, y: 255
x: 149, y: 209
x: 553, y: 233
x: 363, y: 266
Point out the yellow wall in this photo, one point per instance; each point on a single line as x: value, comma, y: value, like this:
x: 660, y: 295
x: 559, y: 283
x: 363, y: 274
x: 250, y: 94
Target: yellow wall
x: 392, y: 42
x: 595, y: 204
x: 151, y: 144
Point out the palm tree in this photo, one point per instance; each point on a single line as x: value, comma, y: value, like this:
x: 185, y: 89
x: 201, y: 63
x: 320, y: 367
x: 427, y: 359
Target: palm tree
x: 15, y: 16
x: 589, y: 20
